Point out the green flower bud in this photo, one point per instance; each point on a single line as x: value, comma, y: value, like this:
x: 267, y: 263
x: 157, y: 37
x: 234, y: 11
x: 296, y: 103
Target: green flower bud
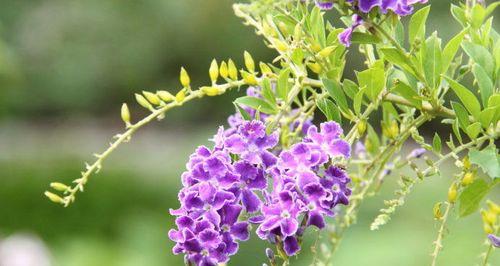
x: 326, y: 51
x: 297, y: 32
x: 233, y: 72
x: 180, y: 96
x: 184, y: 78
x: 249, y: 63
x: 151, y: 97
x: 315, y: 67
x: 280, y: 46
x: 125, y: 113
x: 265, y: 69
x: 213, y: 71
x: 54, y: 198
x: 143, y: 102
x: 211, y: 91
x: 59, y: 186
x: 165, y: 96
x: 361, y: 127
x: 452, y: 193
x: 223, y: 70
x: 249, y: 79
x: 468, y: 179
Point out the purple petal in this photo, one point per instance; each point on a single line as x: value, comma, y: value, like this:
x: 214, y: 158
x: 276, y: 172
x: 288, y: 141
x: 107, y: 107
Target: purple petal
x: 230, y: 213
x: 289, y: 226
x: 495, y: 240
x: 209, y: 238
x: 270, y: 223
x: 291, y: 246
x: 240, y: 231
x: 250, y: 201
x: 316, y: 219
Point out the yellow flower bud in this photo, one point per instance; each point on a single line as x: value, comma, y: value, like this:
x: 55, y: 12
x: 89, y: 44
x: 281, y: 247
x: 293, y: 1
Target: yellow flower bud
x: 452, y: 193
x: 297, y: 32
x: 437, y: 211
x: 223, y: 70
x: 53, y: 197
x: 361, y: 127
x: 184, y: 78
x: 315, y: 47
x: 143, y: 102
x: 487, y: 229
x: 249, y: 79
x: 249, y: 63
x: 180, y: 96
x: 315, y: 67
x: 468, y: 178
x: 233, y: 72
x: 283, y: 28
x: 493, y: 207
x: 280, y: 46
x: 394, y: 129
x: 466, y: 163
x: 59, y: 186
x: 213, y: 71
x: 125, y: 113
x: 165, y: 96
x: 326, y: 51
x: 265, y: 69
x: 151, y: 97
x: 210, y: 91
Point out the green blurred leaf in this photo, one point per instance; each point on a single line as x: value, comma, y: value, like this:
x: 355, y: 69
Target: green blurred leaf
x: 350, y: 88
x: 373, y: 80
x: 267, y: 91
x: 335, y: 91
x: 466, y: 97
x: 257, y: 104
x: 246, y: 116
x: 477, y: 16
x: 417, y: 24
x: 484, y: 82
x: 487, y: 159
x: 364, y: 38
x: 462, y: 115
x: 329, y: 110
x: 408, y: 93
x: 282, y: 88
x: 358, y: 100
x: 392, y: 55
x: 459, y: 14
x: 473, y: 130
x: 472, y: 195
x: 480, y: 55
x: 451, y: 48
x: 432, y: 61
x: 436, y: 143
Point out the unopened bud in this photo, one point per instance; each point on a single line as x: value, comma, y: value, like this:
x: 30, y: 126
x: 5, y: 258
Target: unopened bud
x: 213, y: 71
x: 151, y: 97
x: 270, y: 254
x: 297, y: 32
x: 249, y: 63
x: 315, y: 67
x: 394, y: 129
x: 165, y: 96
x: 223, y: 70
x: 361, y: 127
x: 210, y: 91
x: 59, y: 186
x: 487, y: 229
x: 184, y: 78
x: 489, y: 217
x: 125, y: 113
x: 280, y: 46
x: 493, y: 207
x: 452, y: 193
x: 143, y: 102
x: 233, y: 71
x: 468, y: 178
x: 326, y: 51
x: 265, y: 69
x: 53, y: 197
x: 437, y: 211
x: 466, y: 163
x: 180, y: 96
x: 249, y: 79
x: 315, y: 47
x: 283, y: 28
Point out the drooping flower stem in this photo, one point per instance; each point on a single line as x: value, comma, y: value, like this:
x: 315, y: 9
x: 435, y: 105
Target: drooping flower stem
x: 438, y: 245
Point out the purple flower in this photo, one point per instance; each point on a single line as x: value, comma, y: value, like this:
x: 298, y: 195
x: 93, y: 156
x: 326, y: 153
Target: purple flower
x: 328, y: 140
x: 495, y: 240
x: 416, y: 153
x: 346, y: 35
x: 324, y: 4
x: 400, y: 7
x: 281, y: 215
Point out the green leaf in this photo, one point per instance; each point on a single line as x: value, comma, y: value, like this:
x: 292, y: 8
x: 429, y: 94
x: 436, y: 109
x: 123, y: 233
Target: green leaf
x: 432, y: 61
x: 459, y: 14
x: 436, y: 143
x: 480, y: 55
x: 372, y: 138
x: 477, y: 16
x: 484, y: 82
x: 466, y: 97
x: 492, y: 8
x: 462, y: 115
x: 246, y: 116
x: 474, y: 130
x: 373, y: 80
x: 417, y: 24
x: 282, y: 87
x: 392, y: 55
x: 329, y: 110
x: 350, y: 88
x: 451, y: 49
x: 487, y: 159
x: 364, y: 38
x: 358, y: 100
x: 267, y: 91
x: 335, y: 91
x: 487, y: 115
x: 257, y: 104
x: 408, y: 93
x: 472, y: 195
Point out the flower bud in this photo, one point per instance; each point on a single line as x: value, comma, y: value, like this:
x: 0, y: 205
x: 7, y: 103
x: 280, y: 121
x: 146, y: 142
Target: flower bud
x: 223, y: 70
x: 180, y: 96
x: 452, y: 193
x: 143, y: 102
x: 280, y: 46
x: 59, y: 186
x: 315, y: 47
x: 487, y: 229
x: 53, y: 197
x: 394, y: 130
x: 249, y: 63
x: 165, y: 96
x: 151, y: 97
x: 213, y: 71
x: 210, y: 91
x: 297, y: 32
x: 315, y: 67
x: 270, y: 254
x: 361, y: 127
x: 493, y: 207
x: 249, y: 79
x: 265, y: 69
x: 233, y: 72
x: 184, y: 78
x: 437, y: 211
x: 125, y: 113
x: 326, y: 51
x: 468, y: 179
x: 283, y: 28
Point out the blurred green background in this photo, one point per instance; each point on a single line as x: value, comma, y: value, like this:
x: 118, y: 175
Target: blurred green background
x: 65, y: 69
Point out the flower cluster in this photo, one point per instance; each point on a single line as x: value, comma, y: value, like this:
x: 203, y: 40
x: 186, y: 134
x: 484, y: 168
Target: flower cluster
x: 217, y: 188
x: 223, y: 183
x: 306, y: 187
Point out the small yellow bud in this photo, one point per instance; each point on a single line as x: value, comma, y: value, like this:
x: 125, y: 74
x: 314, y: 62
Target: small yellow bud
x: 180, y: 96
x: 493, y: 207
x: 315, y: 67
x: 394, y: 129
x: 326, y: 52
x: 233, y: 72
x: 468, y: 178
x: 268, y: 30
x: 452, y: 193
x: 213, y: 71
x: 297, y: 32
x: 487, y: 229
x: 466, y: 163
x: 223, y: 70
x: 53, y: 197
x: 280, y: 46
x: 490, y: 218
x: 437, y: 211
x: 249, y: 79
x: 184, y: 78
x: 143, y: 102
x: 210, y: 91
x: 125, y: 113
x: 165, y: 96
x: 59, y: 186
x: 283, y: 28
x: 151, y: 97
x: 315, y: 47
x: 361, y: 127
x: 249, y: 63
x: 265, y: 69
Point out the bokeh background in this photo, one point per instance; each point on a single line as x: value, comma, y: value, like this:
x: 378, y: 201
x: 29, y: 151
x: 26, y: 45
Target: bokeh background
x: 65, y: 69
